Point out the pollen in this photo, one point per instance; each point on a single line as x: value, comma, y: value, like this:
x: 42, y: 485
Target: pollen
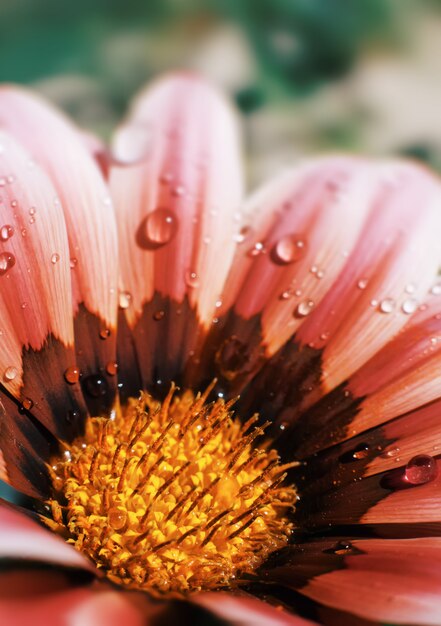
x: 173, y: 497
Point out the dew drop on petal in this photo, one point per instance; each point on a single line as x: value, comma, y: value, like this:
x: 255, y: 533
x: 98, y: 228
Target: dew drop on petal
x: 362, y: 283
x: 304, y: 308
x: 117, y: 518
x: 232, y: 358
x: 125, y: 298
x: 10, y: 373
x: 161, y: 226
x: 191, y: 279
x: 421, y: 469
x: 96, y: 386
x: 112, y: 368
x: 243, y: 234
x: 73, y: 263
x: 55, y: 258
x: 409, y: 306
x: 105, y: 333
x: 387, y: 305
x: 257, y: 249
x: 288, y: 249
x: 158, y: 315
x: 27, y: 404
x: 6, y: 232
x: 342, y: 547
x: 72, y: 375
x: 7, y: 260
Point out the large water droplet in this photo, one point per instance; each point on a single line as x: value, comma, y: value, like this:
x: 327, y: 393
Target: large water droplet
x: 157, y: 229
x: 133, y: 145
x: 117, y: 518
x: 7, y: 260
x: 125, y: 298
x: 112, y: 368
x: 421, y: 469
x: 232, y: 358
x: 387, y: 305
x: 72, y: 375
x: 6, y: 232
x: 304, y: 308
x: 409, y: 306
x: 10, y: 373
x: 96, y: 386
x: 288, y: 249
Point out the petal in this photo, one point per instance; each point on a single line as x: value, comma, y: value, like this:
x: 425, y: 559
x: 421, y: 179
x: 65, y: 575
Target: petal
x: 396, y: 252
x: 59, y: 149
x: 21, y: 538
x: 70, y: 607
x: 176, y: 191
x: 394, y: 581
x: 244, y: 610
x: 37, y: 332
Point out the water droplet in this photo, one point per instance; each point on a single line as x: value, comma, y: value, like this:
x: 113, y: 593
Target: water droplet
x: 72, y: 375
x: 160, y: 226
x: 166, y: 178
x: 342, y: 547
x: 27, y: 404
x: 362, y: 283
x: 73, y: 263
x: 179, y: 191
x: 105, y: 333
x: 232, y: 358
x: 421, y: 469
x: 409, y: 306
x: 55, y: 258
x: 288, y: 249
x: 117, y: 518
x: 96, y: 386
x: 112, y: 368
x: 67, y: 456
x: 32, y: 210
x: 6, y: 232
x: 125, y: 298
x: 10, y: 373
x: 7, y: 260
x: 304, y: 308
x: 14, y: 203
x: 257, y: 249
x: 158, y: 315
x: 243, y: 234
x: 361, y: 451
x: 387, y: 305
x: 410, y: 288
x: 436, y: 290
x: 191, y: 279
x: 133, y: 145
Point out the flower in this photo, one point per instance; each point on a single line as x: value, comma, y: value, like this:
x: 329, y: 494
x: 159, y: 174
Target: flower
x: 301, y: 485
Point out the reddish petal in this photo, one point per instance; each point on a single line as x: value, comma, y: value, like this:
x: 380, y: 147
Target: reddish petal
x: 244, y: 610
x: 59, y: 149
x: 396, y: 581
x: 35, y: 299
x: 176, y: 190
x: 22, y: 538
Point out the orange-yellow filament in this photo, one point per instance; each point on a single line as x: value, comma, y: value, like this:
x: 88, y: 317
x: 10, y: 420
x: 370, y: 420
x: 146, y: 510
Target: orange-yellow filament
x: 173, y: 497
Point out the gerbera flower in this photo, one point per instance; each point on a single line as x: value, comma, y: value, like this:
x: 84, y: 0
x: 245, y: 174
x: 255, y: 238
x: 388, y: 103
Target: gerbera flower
x: 214, y: 409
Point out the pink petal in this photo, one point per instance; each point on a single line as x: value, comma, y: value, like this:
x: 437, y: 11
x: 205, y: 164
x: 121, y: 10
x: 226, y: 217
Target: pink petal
x: 59, y: 149
x: 72, y: 607
x: 398, y: 249
x: 386, y: 580
x: 396, y: 581
x: 37, y: 329
x: 22, y: 538
x: 176, y: 190
x: 244, y: 610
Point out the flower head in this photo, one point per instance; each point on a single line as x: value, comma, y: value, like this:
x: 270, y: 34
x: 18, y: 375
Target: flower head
x: 209, y: 401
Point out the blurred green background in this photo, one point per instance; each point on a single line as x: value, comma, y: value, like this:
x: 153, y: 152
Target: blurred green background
x: 308, y: 75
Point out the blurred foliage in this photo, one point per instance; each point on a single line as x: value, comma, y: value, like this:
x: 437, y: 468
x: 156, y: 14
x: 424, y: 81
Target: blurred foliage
x: 298, y: 43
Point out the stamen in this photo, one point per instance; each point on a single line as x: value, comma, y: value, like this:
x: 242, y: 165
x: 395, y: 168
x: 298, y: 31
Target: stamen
x: 172, y: 498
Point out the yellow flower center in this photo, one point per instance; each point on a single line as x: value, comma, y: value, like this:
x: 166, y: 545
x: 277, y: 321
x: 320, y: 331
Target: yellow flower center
x: 173, y: 497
